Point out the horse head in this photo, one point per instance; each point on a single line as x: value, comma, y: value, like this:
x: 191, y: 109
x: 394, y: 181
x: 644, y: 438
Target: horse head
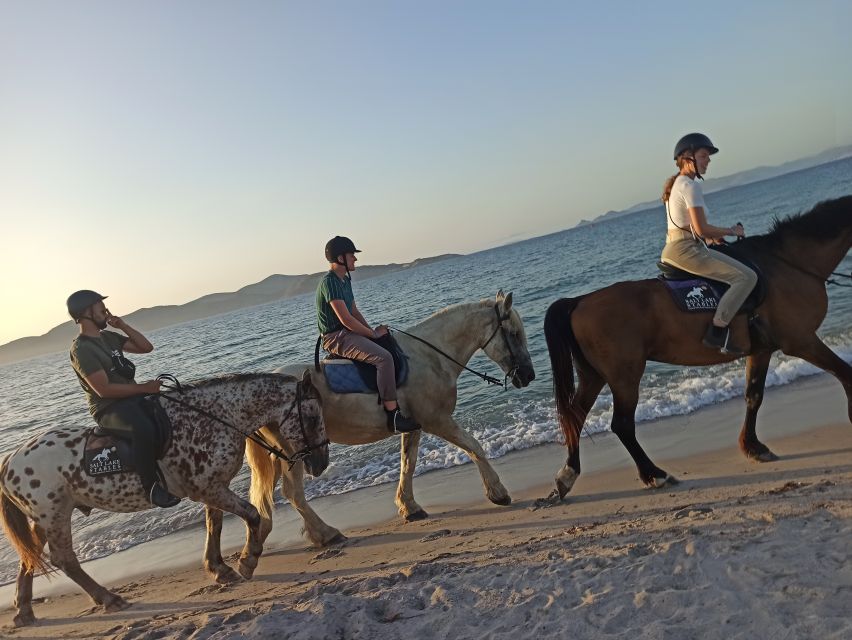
x: 303, y: 429
x: 507, y: 344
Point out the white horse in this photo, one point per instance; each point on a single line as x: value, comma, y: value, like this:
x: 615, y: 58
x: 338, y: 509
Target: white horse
x: 429, y: 396
x: 44, y: 480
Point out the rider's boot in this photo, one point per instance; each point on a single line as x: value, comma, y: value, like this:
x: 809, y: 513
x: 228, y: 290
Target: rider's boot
x: 161, y: 497
x: 399, y: 423
x: 719, y: 338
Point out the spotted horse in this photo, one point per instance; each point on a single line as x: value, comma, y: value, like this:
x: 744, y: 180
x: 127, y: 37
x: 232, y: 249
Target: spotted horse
x: 45, y: 480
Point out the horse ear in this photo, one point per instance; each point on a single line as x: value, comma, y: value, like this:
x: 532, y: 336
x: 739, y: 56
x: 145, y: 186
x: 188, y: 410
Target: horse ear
x: 500, y: 295
x: 307, y: 383
x: 506, y: 303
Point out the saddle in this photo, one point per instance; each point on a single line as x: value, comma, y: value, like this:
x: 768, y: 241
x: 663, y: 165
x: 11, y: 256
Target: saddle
x: 692, y: 293
x: 350, y: 376
x: 106, y: 453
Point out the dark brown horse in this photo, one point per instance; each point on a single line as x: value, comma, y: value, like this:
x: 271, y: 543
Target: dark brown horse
x: 608, y: 335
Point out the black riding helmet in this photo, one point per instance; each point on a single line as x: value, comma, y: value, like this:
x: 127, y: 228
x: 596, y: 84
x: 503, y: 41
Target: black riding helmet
x: 338, y: 246
x: 81, y: 300
x: 693, y: 142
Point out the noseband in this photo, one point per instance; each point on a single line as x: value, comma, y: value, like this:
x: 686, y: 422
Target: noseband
x: 502, y: 329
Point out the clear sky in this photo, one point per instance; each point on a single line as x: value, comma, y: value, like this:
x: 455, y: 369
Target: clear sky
x: 159, y: 151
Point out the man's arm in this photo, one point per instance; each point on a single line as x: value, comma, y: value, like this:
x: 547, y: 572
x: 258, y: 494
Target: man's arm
x: 354, y: 324
x: 136, y: 343
x: 100, y: 384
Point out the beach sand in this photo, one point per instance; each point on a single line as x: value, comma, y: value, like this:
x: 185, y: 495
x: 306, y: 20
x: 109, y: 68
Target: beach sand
x: 736, y: 550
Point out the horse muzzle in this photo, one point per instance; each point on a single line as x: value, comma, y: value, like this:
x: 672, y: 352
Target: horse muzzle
x: 316, y: 461
x: 523, y: 376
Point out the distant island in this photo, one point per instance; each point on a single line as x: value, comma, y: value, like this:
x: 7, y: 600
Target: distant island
x: 739, y: 179
x: 275, y: 287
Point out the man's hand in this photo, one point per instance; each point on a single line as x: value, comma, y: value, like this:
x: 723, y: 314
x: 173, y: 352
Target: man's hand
x: 152, y: 386
x: 115, y: 321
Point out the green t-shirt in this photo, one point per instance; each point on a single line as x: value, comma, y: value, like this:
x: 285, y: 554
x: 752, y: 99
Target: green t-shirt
x: 90, y: 355
x: 332, y: 288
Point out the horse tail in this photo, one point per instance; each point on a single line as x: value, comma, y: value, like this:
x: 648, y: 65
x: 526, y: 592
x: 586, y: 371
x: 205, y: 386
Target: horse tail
x: 262, y: 479
x: 562, y: 347
x: 22, y: 536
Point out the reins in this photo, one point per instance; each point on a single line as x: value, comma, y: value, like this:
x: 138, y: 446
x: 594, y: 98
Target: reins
x: 483, y: 376
x: 175, y: 386
x: 827, y: 280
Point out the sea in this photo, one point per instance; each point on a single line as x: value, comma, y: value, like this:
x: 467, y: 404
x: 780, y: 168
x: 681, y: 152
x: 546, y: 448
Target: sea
x: 42, y: 393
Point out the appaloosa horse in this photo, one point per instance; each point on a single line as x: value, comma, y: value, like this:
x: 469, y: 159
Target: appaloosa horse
x: 609, y: 334
x: 45, y: 479
x: 429, y: 395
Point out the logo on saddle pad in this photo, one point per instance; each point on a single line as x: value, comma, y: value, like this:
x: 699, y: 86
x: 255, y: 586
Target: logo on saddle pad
x: 105, y: 454
x: 693, y: 295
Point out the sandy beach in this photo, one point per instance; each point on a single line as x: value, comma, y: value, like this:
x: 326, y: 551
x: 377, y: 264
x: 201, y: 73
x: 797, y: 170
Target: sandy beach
x: 736, y: 550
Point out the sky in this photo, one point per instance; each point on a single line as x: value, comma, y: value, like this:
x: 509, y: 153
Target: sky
x: 160, y: 151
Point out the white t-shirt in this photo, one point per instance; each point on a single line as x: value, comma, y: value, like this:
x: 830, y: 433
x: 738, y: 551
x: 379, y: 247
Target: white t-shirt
x: 686, y: 193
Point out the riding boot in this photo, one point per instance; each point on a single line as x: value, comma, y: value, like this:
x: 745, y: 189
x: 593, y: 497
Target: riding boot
x: 720, y: 338
x: 145, y: 459
x: 399, y: 423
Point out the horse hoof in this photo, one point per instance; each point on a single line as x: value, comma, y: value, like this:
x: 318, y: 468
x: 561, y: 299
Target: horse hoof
x: 505, y: 501
x: 246, y: 569
x: 565, y: 480
x: 763, y: 456
x: 228, y: 576
x: 339, y: 538
x: 659, y: 483
x: 116, y: 603
x: 24, y: 619
x: 417, y: 515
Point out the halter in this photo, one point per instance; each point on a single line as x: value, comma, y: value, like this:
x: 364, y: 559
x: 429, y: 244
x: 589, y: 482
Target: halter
x: 255, y: 437
x: 483, y: 376
x: 502, y: 329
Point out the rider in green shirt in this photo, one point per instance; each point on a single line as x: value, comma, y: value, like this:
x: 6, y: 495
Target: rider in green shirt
x: 346, y: 333
x: 108, y: 379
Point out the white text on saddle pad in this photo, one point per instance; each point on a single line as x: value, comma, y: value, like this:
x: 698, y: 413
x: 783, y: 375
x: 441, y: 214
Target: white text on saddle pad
x: 696, y: 299
x: 104, y: 463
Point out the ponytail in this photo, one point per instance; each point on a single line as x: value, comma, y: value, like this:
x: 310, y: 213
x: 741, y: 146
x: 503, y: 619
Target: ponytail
x: 667, y: 187
x: 682, y: 159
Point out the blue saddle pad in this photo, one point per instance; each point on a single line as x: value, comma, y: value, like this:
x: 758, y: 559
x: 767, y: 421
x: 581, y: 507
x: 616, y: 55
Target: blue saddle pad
x: 349, y: 376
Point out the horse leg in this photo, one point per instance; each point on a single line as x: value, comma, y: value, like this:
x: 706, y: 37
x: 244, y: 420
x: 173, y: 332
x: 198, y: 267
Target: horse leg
x: 818, y: 354
x: 625, y: 397
x: 405, y: 502
x: 450, y: 431
x: 588, y: 389
x: 227, y: 500
x: 756, y: 367
x: 292, y: 486
x: 58, y: 535
x: 213, y: 562
x: 24, y: 587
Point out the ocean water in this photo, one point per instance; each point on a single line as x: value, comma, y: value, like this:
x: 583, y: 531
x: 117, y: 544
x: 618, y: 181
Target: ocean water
x: 43, y: 392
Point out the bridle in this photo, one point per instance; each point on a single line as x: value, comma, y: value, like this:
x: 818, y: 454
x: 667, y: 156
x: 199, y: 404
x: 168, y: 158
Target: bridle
x: 175, y: 386
x: 489, y: 379
x: 502, y: 329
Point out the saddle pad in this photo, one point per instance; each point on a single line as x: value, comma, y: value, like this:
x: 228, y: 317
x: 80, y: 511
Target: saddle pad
x: 343, y: 377
x: 695, y: 294
x: 349, y: 376
x: 106, y: 454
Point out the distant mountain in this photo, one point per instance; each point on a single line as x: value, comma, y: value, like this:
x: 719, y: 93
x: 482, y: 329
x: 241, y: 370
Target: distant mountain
x: 738, y: 179
x: 274, y: 287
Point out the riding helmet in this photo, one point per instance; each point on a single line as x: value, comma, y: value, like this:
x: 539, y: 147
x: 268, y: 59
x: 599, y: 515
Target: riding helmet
x: 338, y: 246
x: 79, y: 301
x: 693, y: 142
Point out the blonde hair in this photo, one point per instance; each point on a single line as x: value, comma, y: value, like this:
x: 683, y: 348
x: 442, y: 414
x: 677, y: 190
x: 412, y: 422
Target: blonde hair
x: 681, y: 161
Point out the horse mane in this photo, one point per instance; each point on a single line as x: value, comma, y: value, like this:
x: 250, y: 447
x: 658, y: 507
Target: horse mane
x: 237, y: 377
x: 823, y: 222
